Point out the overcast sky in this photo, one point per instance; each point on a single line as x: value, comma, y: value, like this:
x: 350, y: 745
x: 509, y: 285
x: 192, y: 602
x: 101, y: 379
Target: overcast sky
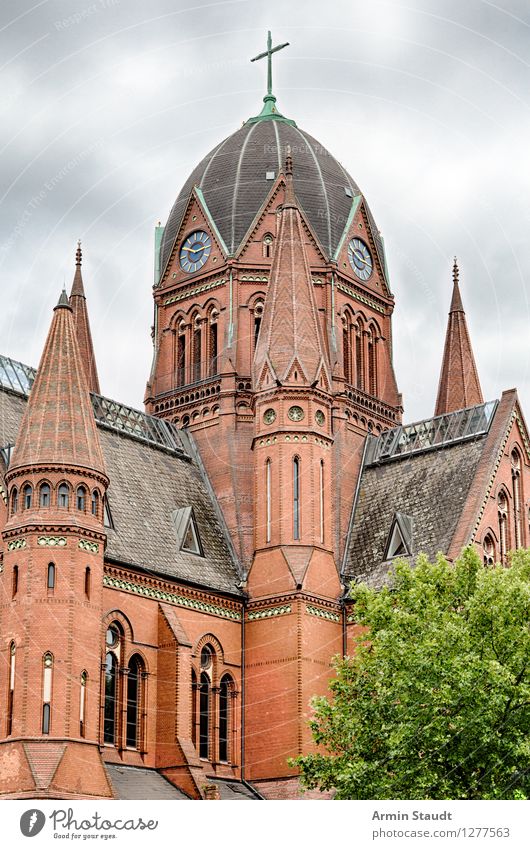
x: 106, y: 106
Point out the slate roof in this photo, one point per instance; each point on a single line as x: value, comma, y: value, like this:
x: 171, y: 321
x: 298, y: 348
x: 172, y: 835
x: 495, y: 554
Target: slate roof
x: 233, y: 180
x: 430, y: 487
x: 131, y: 782
x: 147, y: 484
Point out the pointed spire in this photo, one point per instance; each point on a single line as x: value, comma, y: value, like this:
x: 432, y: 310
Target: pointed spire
x: 58, y: 427
x: 82, y: 324
x: 63, y: 301
x: 290, y: 340
x: 459, y: 385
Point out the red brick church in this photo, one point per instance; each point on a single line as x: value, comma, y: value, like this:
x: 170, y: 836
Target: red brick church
x: 174, y: 581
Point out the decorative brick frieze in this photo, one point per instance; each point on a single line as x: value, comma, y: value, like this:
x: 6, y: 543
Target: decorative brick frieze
x: 85, y: 545
x: 52, y: 542
x: 361, y: 298
x: 268, y: 612
x: 190, y: 293
x: 322, y: 613
x: 16, y: 544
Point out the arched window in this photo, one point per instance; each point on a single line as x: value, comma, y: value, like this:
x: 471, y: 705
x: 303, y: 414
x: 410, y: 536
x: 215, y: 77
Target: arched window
x: 204, y: 716
x: 50, y: 578
x: 87, y: 582
x: 359, y: 355
x: 28, y: 496
x: 47, y: 661
x: 63, y: 495
x: 14, y: 500
x: 224, y: 717
x: 502, y: 505
x: 296, y: 498
x: 196, y: 349
x: 81, y: 498
x: 212, y: 343
x: 181, y: 354
x: 44, y: 495
x: 110, y: 715
x: 516, y: 485
x: 11, y: 694
x: 489, y: 550
x: 258, y: 315
x: 15, y: 581
x: 194, y: 708
x: 82, y: 703
x: 134, y: 701
x: 346, y: 348
x: 268, y: 506
x: 267, y: 246
x: 95, y: 503
x: 372, y: 364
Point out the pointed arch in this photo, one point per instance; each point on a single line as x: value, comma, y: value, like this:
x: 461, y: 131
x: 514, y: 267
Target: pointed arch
x: 359, y: 353
x: 516, y: 463
x: 226, y: 689
x: 136, y: 671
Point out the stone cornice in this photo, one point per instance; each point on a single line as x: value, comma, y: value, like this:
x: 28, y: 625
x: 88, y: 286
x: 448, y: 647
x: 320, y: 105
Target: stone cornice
x: 158, y: 589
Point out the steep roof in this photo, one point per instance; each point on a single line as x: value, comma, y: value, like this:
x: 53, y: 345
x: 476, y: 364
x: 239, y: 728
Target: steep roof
x: 152, y: 474
x: 58, y: 425
x: 426, y: 472
x: 459, y: 384
x: 290, y: 334
x: 82, y: 324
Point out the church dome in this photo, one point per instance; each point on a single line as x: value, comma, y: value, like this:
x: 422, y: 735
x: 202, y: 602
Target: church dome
x: 236, y: 177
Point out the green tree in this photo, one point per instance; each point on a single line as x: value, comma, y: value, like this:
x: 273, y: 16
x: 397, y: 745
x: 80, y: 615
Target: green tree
x: 435, y: 701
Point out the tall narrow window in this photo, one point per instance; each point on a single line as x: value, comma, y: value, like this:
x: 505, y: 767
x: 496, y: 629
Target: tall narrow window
x: 194, y: 688
x: 268, y: 490
x: 81, y: 498
x: 134, y: 701
x: 50, y: 580
x: 372, y: 365
x: 321, y: 501
x: 87, y: 581
x: 258, y: 315
x: 212, y: 344
x: 28, y: 496
x: 11, y: 694
x: 359, y: 359
x: 14, y: 500
x: 296, y: 498
x: 181, y: 358
x: 267, y: 246
x: 224, y: 717
x: 15, y: 581
x: 95, y: 503
x: 63, y: 495
x: 346, y: 349
x: 196, y: 350
x: 502, y: 505
x: 46, y: 691
x: 516, y: 484
x: 82, y: 703
x: 489, y: 550
x: 111, y: 693
x: 44, y: 495
x: 204, y: 716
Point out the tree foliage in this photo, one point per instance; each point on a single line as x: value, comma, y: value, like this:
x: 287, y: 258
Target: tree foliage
x: 435, y: 701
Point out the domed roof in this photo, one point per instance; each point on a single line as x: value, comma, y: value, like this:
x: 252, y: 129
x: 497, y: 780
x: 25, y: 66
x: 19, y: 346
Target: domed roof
x: 236, y: 177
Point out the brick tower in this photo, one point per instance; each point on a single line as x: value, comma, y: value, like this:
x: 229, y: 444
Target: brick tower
x: 52, y: 584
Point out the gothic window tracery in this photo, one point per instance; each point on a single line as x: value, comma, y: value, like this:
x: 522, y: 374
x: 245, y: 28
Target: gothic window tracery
x: 489, y: 550
x: 502, y: 506
x: 516, y: 488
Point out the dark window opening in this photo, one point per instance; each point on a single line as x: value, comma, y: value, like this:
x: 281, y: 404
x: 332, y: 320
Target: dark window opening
x: 213, y: 349
x: 63, y: 496
x: 110, y: 712
x: 95, y: 503
x: 14, y: 500
x: 15, y: 581
x: 133, y: 702
x: 45, y: 495
x: 28, y: 495
x: 346, y: 346
x: 196, y: 362
x: 224, y: 714
x: 50, y: 582
x: 204, y: 716
x: 46, y: 718
x: 81, y: 498
x: 181, y: 360
x: 359, y: 360
x: 87, y: 581
x: 296, y: 498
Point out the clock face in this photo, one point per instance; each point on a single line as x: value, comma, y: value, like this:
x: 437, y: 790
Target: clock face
x: 360, y: 259
x: 195, y: 251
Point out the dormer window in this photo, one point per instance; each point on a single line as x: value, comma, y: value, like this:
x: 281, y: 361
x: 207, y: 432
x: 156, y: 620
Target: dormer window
x: 399, y: 542
x: 187, y: 531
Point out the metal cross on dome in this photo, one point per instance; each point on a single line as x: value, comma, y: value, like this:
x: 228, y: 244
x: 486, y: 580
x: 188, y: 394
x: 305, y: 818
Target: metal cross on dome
x: 268, y: 53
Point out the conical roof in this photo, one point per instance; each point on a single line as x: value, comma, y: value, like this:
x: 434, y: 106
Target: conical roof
x: 290, y: 334
x: 58, y: 427
x: 82, y: 325
x: 459, y: 385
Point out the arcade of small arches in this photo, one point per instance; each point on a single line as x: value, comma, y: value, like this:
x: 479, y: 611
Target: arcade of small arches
x: 196, y: 349
x: 359, y: 351
x: 45, y: 495
x: 509, y: 534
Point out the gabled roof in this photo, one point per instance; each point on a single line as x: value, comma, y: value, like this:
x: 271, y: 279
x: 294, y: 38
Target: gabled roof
x: 151, y: 476
x: 426, y: 474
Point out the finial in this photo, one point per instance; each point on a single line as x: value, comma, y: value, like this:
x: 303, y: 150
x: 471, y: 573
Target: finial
x: 268, y: 53
x: 63, y: 301
x: 290, y: 199
x: 288, y: 161
x: 455, y: 272
x: 78, y: 253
